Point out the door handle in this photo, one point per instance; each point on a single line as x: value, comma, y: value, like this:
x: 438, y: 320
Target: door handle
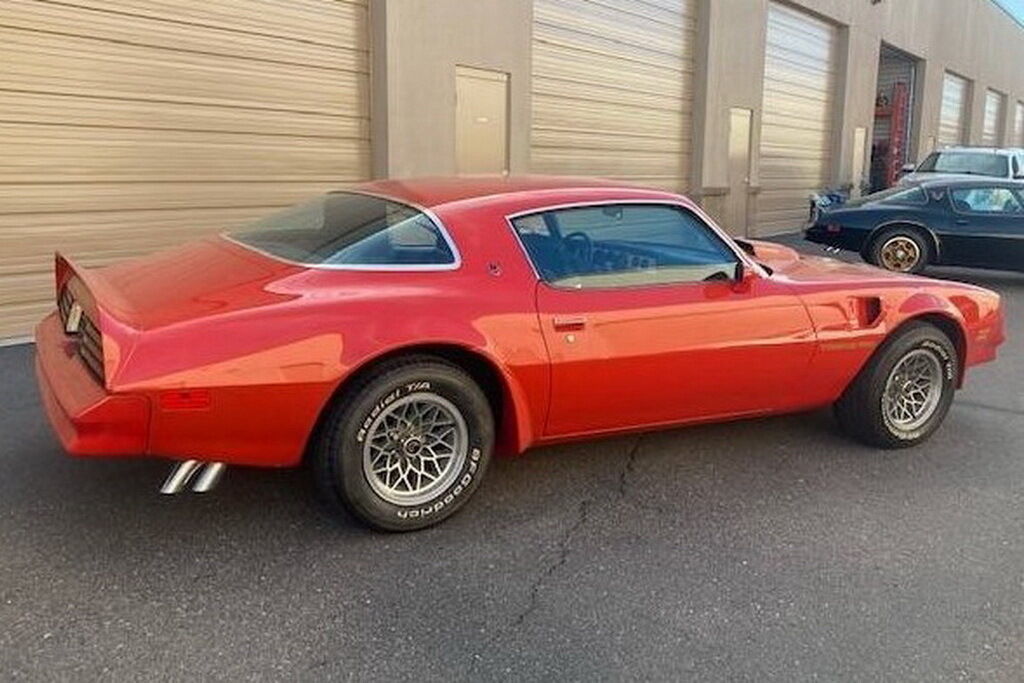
x: 962, y: 221
x: 570, y: 324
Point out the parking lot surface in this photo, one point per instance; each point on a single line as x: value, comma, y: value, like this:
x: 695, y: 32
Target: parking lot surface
x: 770, y: 549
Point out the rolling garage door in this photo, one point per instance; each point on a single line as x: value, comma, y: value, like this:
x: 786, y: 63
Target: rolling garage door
x: 992, y: 125
x: 612, y: 89
x: 796, y: 126
x: 129, y: 125
x: 953, y: 115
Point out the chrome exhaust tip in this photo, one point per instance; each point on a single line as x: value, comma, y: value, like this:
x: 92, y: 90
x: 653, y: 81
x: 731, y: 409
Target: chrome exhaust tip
x: 209, y: 476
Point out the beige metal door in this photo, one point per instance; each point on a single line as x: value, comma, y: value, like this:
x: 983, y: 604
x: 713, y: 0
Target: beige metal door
x: 613, y: 89
x: 481, y: 121
x: 995, y: 116
x: 953, y: 114
x: 135, y: 124
x: 797, y: 118
x: 858, y: 178
x: 1018, y: 125
x: 739, y: 171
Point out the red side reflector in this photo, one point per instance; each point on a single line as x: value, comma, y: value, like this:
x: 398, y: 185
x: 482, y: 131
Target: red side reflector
x: 833, y: 228
x: 185, y: 399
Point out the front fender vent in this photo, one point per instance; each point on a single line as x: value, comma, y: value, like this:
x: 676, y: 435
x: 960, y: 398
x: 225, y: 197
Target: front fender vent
x: 869, y: 311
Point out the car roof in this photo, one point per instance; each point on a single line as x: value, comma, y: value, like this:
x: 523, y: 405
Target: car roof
x: 431, y: 192
x: 968, y: 182
x: 979, y: 150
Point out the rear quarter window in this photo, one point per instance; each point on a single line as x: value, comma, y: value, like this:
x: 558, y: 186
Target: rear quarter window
x: 351, y: 230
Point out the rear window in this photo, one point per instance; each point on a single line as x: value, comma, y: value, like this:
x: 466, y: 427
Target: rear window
x: 913, y: 195
x: 348, y: 229
x: 894, y: 195
x: 969, y: 163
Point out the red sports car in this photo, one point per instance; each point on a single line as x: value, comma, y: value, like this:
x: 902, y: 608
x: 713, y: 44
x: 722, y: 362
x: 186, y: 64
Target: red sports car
x: 397, y: 334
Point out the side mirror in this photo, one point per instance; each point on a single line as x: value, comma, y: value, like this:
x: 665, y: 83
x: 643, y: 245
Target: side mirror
x: 907, y: 168
x: 744, y: 277
x: 746, y: 246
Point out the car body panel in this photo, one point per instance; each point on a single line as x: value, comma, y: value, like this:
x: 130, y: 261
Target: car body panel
x: 227, y: 354
x: 686, y: 352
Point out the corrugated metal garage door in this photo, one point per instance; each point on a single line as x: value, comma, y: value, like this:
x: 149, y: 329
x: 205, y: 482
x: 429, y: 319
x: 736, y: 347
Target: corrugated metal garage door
x: 992, y: 128
x: 613, y: 89
x: 796, y: 125
x: 953, y: 115
x: 129, y: 125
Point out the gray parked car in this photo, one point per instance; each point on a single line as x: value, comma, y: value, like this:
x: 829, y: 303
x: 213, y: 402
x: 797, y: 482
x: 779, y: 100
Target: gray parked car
x: 966, y: 163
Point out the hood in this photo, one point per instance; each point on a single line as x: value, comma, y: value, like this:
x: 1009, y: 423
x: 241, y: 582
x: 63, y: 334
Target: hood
x: 202, y: 278
x: 788, y: 262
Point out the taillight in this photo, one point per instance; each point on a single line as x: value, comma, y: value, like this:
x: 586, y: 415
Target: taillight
x: 833, y: 228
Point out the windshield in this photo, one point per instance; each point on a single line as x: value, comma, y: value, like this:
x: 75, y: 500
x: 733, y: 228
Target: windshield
x: 350, y: 229
x: 969, y: 163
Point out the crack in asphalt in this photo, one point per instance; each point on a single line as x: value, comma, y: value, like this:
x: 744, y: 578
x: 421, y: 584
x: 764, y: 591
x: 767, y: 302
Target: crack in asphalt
x: 563, y: 550
x: 629, y: 467
x: 533, y: 601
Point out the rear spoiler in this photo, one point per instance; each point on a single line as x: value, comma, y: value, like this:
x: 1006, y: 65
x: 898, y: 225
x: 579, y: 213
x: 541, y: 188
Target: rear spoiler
x: 104, y: 296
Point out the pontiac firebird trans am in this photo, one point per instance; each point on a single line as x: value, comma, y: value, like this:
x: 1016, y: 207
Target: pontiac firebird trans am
x: 396, y: 335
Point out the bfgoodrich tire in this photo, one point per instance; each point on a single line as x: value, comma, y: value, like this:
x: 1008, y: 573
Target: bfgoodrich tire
x: 903, y: 394
x: 407, y: 446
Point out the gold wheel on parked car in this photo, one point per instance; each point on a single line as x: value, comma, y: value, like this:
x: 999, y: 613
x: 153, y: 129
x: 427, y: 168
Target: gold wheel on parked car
x: 900, y: 253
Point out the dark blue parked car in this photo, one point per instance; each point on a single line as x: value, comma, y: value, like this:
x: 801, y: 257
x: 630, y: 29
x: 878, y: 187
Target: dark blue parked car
x: 978, y: 223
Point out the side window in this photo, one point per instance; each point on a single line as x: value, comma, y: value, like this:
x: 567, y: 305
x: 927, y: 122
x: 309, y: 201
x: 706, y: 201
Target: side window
x: 986, y: 200
x: 623, y: 245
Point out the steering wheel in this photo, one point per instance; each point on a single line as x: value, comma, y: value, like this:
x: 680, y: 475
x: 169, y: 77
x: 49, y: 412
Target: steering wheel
x: 579, y: 247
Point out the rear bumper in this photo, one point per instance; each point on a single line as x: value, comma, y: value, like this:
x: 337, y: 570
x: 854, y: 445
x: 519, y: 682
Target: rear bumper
x: 87, y: 419
x: 846, y: 239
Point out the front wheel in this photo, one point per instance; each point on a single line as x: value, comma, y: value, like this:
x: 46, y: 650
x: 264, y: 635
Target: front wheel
x: 903, y: 394
x: 407, y: 446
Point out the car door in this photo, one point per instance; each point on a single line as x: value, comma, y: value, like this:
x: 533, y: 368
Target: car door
x: 986, y: 227
x: 646, y: 322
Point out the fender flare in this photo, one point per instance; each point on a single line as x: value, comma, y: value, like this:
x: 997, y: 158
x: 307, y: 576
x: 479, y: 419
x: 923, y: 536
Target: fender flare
x: 514, y: 432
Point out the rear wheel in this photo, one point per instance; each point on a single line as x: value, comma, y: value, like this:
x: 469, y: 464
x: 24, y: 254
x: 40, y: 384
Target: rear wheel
x: 899, y: 249
x: 407, y: 446
x: 903, y: 394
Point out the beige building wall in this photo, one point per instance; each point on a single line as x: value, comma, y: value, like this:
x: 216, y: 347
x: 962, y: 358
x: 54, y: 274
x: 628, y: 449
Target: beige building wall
x: 973, y: 38
x: 418, y: 44
x: 415, y: 47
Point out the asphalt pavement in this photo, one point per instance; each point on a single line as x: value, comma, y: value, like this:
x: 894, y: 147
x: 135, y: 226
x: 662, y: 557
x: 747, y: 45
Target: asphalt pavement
x: 774, y: 549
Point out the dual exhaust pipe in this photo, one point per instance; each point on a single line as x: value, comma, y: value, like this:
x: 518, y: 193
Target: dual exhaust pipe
x: 206, y: 474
